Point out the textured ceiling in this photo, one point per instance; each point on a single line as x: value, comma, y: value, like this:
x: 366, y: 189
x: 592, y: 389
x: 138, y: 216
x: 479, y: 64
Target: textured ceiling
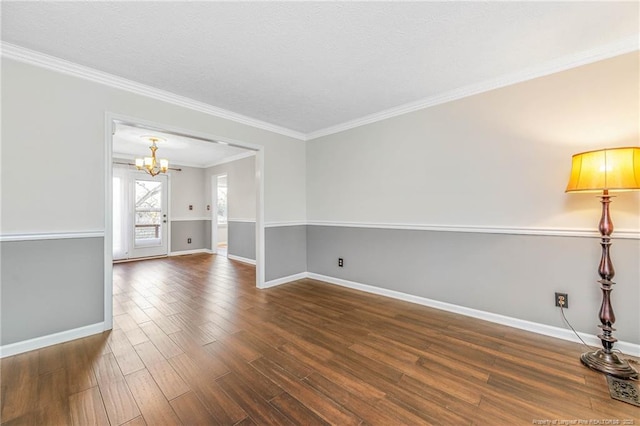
x: 308, y: 66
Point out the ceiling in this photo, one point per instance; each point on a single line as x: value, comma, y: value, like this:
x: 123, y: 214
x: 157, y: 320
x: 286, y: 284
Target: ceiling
x: 312, y: 66
x: 130, y: 142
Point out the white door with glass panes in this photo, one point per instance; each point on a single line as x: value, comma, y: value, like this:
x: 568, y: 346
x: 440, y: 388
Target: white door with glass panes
x: 140, y: 215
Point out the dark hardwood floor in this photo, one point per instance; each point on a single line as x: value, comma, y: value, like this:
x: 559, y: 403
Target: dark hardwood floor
x: 195, y: 343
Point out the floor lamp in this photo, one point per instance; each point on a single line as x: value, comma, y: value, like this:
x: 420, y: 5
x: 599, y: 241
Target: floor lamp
x: 604, y: 171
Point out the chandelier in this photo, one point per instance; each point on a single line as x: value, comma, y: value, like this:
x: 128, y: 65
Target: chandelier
x: 150, y: 164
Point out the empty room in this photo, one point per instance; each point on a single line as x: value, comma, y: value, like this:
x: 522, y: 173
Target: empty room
x: 264, y: 212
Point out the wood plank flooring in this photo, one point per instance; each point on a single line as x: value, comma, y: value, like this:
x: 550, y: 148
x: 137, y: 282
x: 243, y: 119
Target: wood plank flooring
x: 195, y: 343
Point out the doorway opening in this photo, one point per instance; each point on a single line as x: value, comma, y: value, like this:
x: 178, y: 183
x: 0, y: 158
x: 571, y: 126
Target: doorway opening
x: 138, y: 224
x: 219, y: 220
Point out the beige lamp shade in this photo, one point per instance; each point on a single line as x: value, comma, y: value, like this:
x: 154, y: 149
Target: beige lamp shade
x: 613, y: 169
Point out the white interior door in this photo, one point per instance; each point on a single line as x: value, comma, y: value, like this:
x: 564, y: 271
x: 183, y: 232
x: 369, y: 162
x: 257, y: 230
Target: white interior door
x: 149, y: 221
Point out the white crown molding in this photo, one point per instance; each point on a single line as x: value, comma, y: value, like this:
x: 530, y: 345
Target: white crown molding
x: 236, y: 157
x: 561, y: 64
x: 553, y: 232
x: 21, y: 54
x: 51, y: 339
x: 51, y: 236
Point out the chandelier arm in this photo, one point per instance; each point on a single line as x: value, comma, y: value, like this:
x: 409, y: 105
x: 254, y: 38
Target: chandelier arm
x: 152, y: 167
x: 177, y: 169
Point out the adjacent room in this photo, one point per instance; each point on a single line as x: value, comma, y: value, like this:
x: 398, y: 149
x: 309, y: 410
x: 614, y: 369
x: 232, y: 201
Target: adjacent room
x: 184, y: 209
x: 380, y: 213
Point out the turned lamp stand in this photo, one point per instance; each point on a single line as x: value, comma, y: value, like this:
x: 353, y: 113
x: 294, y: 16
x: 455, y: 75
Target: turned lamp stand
x: 605, y: 360
x: 609, y: 169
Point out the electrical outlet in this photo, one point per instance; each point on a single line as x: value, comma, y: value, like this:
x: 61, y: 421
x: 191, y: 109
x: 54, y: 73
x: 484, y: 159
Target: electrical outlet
x: 562, y: 300
x: 340, y: 262
x: 188, y: 240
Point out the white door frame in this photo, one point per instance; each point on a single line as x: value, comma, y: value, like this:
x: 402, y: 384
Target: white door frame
x: 110, y: 122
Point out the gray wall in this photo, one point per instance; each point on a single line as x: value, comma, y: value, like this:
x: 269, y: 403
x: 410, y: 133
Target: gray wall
x: 242, y: 239
x: 512, y: 275
x: 285, y: 251
x: 50, y: 286
x: 198, y: 230
x: 495, y: 160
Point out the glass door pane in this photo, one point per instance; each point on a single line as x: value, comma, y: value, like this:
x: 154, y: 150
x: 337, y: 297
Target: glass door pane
x: 148, y: 217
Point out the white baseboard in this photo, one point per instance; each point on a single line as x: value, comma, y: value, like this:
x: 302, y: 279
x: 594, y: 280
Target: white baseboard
x: 184, y: 252
x: 136, y: 259
x: 284, y: 280
x: 543, y: 329
x: 241, y: 259
x: 547, y: 330
x: 51, y: 339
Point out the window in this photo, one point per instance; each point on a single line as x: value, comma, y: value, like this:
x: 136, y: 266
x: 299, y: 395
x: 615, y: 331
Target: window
x: 148, y: 210
x: 222, y: 199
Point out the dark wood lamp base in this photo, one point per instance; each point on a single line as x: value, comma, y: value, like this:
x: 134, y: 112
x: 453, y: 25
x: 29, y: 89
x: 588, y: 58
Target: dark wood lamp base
x: 608, y: 363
